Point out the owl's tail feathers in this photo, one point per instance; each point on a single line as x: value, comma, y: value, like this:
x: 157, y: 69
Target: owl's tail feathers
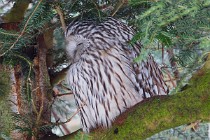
x: 150, y: 79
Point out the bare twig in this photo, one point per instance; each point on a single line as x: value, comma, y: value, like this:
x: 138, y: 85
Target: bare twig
x: 24, y: 28
x: 98, y: 9
x: 170, y: 77
x: 34, y: 90
x: 34, y: 106
x: 60, y: 123
x: 169, y: 80
x: 118, y: 6
x: 173, y: 63
x: 13, y: 102
x: 193, y: 126
x: 60, y: 13
x: 58, y: 95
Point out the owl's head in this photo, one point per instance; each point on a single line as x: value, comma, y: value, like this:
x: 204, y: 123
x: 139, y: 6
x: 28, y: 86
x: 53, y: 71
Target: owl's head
x: 75, y: 46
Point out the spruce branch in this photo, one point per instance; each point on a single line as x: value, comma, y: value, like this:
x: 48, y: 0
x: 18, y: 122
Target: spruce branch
x: 7, y: 33
x: 23, y: 58
x: 23, y: 31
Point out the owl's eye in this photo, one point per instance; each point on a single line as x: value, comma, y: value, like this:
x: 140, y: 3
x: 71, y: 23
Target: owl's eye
x: 79, y: 44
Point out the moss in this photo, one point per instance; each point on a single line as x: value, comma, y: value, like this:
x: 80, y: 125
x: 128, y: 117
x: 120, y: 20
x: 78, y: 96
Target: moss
x: 161, y: 113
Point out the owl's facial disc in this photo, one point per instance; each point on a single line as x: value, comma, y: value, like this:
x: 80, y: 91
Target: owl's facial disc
x: 76, y: 44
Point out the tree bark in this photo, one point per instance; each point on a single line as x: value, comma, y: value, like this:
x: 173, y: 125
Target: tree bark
x: 43, y: 94
x: 18, y: 85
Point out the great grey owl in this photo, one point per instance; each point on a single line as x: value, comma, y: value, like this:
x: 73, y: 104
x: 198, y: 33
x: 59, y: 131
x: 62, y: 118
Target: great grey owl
x: 103, y: 76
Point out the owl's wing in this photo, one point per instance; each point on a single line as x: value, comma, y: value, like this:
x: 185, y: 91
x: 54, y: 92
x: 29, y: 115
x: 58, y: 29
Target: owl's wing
x: 150, y: 77
x: 148, y: 74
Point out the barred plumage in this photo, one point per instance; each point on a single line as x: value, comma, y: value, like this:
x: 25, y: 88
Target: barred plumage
x: 103, y: 75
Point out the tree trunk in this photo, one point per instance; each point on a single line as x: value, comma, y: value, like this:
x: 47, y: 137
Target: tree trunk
x: 43, y: 94
x: 18, y: 83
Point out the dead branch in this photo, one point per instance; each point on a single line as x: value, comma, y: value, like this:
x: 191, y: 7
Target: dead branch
x: 169, y: 80
x: 173, y: 63
x: 34, y: 107
x: 68, y: 120
x: 13, y: 102
x: 118, y: 6
x: 60, y: 13
x: 58, y: 94
x: 193, y: 126
x: 170, y: 77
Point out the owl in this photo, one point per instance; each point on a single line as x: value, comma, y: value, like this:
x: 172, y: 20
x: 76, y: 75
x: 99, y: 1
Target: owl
x: 103, y: 76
